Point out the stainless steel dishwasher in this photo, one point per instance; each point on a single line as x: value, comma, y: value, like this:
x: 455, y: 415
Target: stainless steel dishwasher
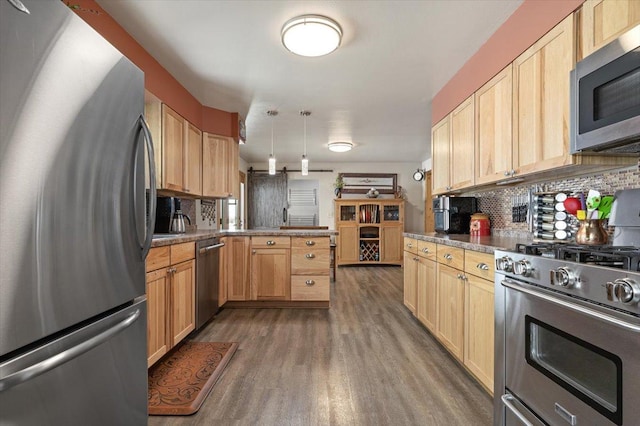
x: 207, y: 278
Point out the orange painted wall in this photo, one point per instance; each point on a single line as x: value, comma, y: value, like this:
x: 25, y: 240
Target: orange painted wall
x: 157, y: 79
x: 525, y: 26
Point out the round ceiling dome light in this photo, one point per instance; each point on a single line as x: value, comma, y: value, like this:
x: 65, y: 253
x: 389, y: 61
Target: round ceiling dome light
x: 311, y: 35
x: 340, y: 146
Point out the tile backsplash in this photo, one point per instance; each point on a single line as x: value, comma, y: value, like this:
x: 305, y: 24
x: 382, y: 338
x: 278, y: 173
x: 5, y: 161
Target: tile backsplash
x: 497, y: 203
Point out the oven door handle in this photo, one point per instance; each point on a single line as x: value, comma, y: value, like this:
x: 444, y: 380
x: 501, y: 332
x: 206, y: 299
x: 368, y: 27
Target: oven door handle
x: 576, y: 308
x: 506, y: 400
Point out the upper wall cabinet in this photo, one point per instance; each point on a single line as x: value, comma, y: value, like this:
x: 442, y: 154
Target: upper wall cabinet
x: 494, y: 139
x: 604, y: 20
x: 541, y: 101
x: 219, y: 166
x: 178, y: 150
x: 452, y: 143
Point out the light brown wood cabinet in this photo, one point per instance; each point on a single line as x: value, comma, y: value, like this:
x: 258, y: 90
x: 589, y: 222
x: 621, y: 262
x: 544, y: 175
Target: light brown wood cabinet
x: 441, y: 156
x: 604, y: 20
x: 170, y: 284
x: 450, y: 291
x: 427, y: 303
x: 453, y: 141
x: 310, y: 268
x: 219, y: 166
x: 369, y: 231
x: 541, y: 101
x: 271, y: 268
x: 450, y: 295
x: 236, y: 268
x: 410, y: 283
x: 494, y: 141
x: 193, y: 160
x: 177, y: 149
x: 479, y: 317
x: 530, y: 140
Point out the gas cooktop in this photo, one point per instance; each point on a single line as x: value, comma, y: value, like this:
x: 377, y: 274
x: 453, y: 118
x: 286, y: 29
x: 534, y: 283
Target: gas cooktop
x: 620, y: 257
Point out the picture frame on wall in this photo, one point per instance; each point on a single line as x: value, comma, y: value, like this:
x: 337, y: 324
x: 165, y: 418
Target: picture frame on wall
x: 361, y: 183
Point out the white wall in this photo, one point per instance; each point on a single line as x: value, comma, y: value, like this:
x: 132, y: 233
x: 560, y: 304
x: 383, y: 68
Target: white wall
x: 414, y: 204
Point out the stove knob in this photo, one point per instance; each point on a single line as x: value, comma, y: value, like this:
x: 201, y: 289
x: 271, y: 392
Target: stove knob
x: 522, y: 267
x: 623, y: 290
x: 563, y: 277
x: 505, y: 263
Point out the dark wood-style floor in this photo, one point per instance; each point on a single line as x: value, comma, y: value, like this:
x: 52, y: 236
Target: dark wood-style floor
x: 365, y: 361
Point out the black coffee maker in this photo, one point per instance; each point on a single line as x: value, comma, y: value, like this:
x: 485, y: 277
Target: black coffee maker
x: 166, y: 210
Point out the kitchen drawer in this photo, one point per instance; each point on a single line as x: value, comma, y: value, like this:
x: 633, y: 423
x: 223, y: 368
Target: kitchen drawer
x: 479, y: 264
x: 182, y: 252
x: 451, y: 256
x: 310, y: 261
x: 411, y: 245
x: 427, y: 249
x: 270, y: 242
x: 310, y: 242
x: 310, y: 287
x: 158, y: 257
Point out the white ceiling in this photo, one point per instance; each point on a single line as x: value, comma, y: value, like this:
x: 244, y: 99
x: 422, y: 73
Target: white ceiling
x: 375, y: 90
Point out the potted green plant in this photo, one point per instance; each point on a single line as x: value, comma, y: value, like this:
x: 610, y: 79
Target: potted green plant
x: 338, y: 185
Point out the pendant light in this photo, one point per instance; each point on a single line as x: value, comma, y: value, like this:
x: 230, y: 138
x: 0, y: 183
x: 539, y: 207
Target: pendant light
x: 305, y: 160
x: 272, y: 159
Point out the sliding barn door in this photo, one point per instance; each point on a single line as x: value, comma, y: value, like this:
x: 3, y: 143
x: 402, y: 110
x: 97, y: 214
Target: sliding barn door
x: 267, y: 200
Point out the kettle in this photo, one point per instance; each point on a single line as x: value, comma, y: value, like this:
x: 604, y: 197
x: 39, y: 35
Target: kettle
x: 177, y: 223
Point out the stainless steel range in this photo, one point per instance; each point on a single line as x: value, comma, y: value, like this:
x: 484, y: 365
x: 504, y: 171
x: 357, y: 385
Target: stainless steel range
x: 567, y: 335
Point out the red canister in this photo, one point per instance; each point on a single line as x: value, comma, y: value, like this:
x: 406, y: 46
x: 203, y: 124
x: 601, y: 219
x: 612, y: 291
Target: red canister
x: 480, y: 226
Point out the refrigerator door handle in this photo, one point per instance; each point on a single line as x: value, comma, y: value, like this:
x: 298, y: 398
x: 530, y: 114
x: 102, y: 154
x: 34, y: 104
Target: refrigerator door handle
x: 151, y: 221
x: 18, y: 5
x: 26, y: 373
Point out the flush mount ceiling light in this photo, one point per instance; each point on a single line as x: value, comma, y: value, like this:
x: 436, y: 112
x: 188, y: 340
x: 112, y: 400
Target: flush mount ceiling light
x: 311, y: 35
x: 340, y: 146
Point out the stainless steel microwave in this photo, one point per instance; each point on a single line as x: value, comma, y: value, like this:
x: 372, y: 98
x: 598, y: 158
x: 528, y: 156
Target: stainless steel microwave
x: 605, y: 98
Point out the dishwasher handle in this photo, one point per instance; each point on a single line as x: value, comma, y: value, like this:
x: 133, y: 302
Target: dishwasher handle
x: 203, y: 250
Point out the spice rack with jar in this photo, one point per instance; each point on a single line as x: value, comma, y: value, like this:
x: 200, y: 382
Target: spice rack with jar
x: 549, y: 218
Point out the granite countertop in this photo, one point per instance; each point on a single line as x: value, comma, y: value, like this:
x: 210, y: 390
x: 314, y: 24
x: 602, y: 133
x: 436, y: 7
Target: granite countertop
x: 486, y: 244
x: 160, y: 240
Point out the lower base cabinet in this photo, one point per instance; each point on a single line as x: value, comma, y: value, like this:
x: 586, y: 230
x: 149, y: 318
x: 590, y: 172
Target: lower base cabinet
x: 479, y: 329
x: 451, y: 294
x: 170, y: 288
x: 450, y: 323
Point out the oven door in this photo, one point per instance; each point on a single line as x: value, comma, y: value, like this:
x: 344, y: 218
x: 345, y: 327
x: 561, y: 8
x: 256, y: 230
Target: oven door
x: 570, y: 363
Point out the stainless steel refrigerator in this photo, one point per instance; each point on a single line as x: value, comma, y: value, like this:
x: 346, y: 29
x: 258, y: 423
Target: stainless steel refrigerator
x: 73, y: 228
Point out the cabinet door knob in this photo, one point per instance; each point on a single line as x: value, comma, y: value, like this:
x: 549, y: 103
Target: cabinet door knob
x: 309, y: 282
x: 309, y: 255
x: 310, y: 243
x: 253, y: 252
x: 409, y: 245
x: 459, y: 276
x: 425, y: 250
x: 482, y: 266
x: 271, y: 243
x: 448, y: 256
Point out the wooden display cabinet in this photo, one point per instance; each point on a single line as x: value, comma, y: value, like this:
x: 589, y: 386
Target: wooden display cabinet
x: 369, y: 231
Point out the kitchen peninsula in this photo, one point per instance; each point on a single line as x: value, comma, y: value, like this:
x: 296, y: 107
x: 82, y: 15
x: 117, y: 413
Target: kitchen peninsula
x: 268, y: 268
x: 257, y: 268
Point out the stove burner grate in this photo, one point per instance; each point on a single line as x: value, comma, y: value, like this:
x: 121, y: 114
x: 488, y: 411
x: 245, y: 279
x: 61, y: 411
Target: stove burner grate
x: 619, y: 257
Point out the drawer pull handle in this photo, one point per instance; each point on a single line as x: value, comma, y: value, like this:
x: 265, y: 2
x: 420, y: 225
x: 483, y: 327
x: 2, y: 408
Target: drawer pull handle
x: 310, y: 243
x: 309, y: 255
x: 409, y: 245
x: 482, y: 266
x: 448, y: 256
x: 271, y: 243
x: 425, y: 250
x: 309, y: 282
